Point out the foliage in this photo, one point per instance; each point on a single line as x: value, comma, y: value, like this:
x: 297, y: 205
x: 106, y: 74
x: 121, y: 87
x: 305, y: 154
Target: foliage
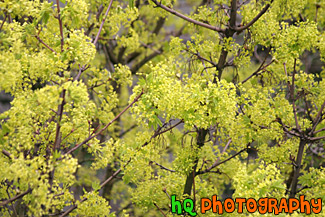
x: 119, y: 104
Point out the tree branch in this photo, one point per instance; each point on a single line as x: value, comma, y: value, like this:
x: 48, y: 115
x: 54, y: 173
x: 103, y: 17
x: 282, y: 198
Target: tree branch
x: 202, y: 58
x: 233, y: 14
x: 216, y: 162
x: 126, y: 131
x: 224, y: 161
x: 159, y: 25
x: 214, y: 28
x: 104, y: 128
x: 201, y: 133
x: 239, y: 29
x: 5, y: 152
x: 229, y: 33
x: 158, y: 132
x: 60, y: 23
x: 260, y: 68
x: 104, y: 183
x: 318, y: 118
x: 317, y: 138
x: 3, y: 203
x: 168, y: 129
x: 162, y: 167
x: 120, y: 169
x: 290, y: 132
x: 320, y: 130
x: 256, y: 72
x: 103, y: 21
x: 57, y: 140
x: 291, y: 91
x: 160, y: 210
x: 40, y: 40
x: 137, y: 66
x: 292, y: 95
x: 81, y: 70
x: 4, y: 20
x: 296, y: 168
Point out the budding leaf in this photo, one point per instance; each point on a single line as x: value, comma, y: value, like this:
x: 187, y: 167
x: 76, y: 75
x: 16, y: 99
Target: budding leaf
x: 95, y: 185
x: 131, y: 3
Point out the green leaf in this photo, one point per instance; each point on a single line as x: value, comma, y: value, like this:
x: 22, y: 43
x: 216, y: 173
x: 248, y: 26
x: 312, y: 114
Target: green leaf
x: 95, y: 185
x: 63, y: 1
x: 45, y: 17
x: 142, y: 82
x: 247, y: 121
x: 56, y: 155
x: 306, y: 179
x: 131, y: 3
x: 278, y: 185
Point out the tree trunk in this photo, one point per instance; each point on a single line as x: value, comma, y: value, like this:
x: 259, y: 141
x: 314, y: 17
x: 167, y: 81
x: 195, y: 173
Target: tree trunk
x: 190, y: 178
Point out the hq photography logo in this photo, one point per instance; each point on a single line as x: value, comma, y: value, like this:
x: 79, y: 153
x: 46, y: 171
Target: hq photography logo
x: 262, y: 205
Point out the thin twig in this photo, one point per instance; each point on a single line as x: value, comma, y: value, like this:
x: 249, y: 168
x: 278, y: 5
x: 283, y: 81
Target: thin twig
x: 104, y: 183
x: 66, y: 136
x: 194, y: 199
x: 4, y: 20
x: 128, y: 130
x: 162, y: 167
x: 217, y: 164
x: 118, y: 171
x: 60, y: 23
x: 239, y: 29
x: 5, y: 152
x: 12, y: 205
x: 318, y: 118
x: 317, y: 138
x: 81, y: 70
x: 202, y: 58
x: 223, y: 151
x: 291, y: 91
x: 165, y: 190
x: 137, y: 66
x: 320, y: 130
x: 57, y: 140
x: 40, y: 40
x: 3, y: 203
x: 158, y: 132
x: 103, y: 21
x: 170, y: 128
x: 160, y: 209
x: 84, y: 67
x: 107, y: 125
x: 257, y: 71
x: 214, y: 28
x: 317, y: 7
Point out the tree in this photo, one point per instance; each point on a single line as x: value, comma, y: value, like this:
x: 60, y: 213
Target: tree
x: 118, y: 105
